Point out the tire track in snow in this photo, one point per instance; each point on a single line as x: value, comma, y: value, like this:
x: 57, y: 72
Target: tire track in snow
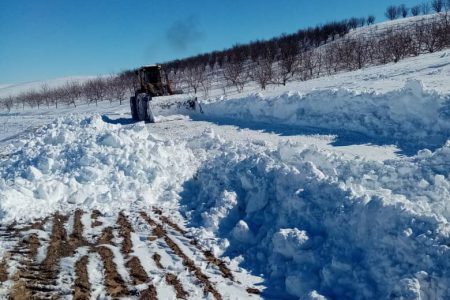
x: 209, y: 256
x: 159, y: 231
x: 86, y: 255
x: 137, y: 272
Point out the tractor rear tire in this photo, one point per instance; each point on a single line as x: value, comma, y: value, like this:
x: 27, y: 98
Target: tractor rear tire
x: 133, y: 106
x: 144, y: 111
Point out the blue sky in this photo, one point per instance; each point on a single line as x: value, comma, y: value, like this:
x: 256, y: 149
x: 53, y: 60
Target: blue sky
x: 43, y: 39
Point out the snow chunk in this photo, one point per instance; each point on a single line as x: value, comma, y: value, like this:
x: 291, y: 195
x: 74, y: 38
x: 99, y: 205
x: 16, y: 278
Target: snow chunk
x: 289, y: 242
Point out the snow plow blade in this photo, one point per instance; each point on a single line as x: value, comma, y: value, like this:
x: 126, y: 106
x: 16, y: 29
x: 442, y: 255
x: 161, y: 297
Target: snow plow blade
x: 144, y: 107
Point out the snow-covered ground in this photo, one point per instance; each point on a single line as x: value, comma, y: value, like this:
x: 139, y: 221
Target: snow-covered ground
x: 335, y: 188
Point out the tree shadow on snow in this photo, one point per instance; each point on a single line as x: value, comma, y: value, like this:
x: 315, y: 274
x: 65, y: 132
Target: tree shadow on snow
x: 341, y: 137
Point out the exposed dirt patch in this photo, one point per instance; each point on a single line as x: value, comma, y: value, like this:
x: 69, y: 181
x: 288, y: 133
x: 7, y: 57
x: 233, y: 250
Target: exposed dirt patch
x: 56, y: 248
x: 106, y: 237
x: 157, y: 258
x: 76, y: 237
x: 173, y: 225
x: 219, y: 263
x: 3, y: 271
x: 253, y: 291
x: 19, y: 291
x: 172, y: 280
x: 82, y: 286
x: 157, y: 211
x: 159, y: 231
x: 125, y: 230
x: 226, y: 272
x: 115, y: 286
x: 139, y: 276
x: 38, y: 281
x: 149, y: 294
x: 32, y: 243
x: 94, y: 217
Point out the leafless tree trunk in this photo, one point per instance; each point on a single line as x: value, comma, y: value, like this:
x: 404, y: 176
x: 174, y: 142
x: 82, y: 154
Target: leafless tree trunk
x: 235, y: 74
x: 7, y: 103
x: 94, y: 90
x: 72, y: 92
x: 194, y: 76
x: 206, y: 82
x: 288, y: 65
x: 116, y: 88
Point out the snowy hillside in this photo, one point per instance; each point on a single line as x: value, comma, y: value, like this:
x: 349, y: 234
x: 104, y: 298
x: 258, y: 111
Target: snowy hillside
x: 14, y: 89
x: 333, y: 188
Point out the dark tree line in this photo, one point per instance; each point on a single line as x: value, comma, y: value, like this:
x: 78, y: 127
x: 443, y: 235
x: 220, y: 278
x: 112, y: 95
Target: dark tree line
x: 286, y: 59
x: 307, y: 38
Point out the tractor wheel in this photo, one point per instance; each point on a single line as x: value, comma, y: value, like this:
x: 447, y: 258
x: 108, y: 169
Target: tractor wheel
x: 144, y: 111
x: 133, y: 106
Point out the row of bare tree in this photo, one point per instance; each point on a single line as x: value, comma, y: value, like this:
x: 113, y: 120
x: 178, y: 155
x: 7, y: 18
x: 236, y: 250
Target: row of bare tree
x: 112, y: 88
x: 289, y: 60
x: 393, y: 12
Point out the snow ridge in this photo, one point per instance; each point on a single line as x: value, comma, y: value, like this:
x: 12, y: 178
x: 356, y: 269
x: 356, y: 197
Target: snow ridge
x: 412, y: 114
x: 316, y: 224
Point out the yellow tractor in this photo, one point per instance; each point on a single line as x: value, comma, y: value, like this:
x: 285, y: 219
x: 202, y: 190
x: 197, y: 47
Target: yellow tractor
x: 153, y: 82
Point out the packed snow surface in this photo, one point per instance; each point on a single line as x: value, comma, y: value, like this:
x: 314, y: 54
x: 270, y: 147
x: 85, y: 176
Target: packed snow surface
x: 301, y: 184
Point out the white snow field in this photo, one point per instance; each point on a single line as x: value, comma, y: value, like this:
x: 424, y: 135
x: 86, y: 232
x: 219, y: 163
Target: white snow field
x: 334, y: 188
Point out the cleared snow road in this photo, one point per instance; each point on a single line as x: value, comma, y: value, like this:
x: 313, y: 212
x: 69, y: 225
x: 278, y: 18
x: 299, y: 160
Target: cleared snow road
x: 179, y: 127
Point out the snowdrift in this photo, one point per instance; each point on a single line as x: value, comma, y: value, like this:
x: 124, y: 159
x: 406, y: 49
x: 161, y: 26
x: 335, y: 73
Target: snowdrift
x: 314, y: 223
x: 412, y: 114
x: 86, y: 162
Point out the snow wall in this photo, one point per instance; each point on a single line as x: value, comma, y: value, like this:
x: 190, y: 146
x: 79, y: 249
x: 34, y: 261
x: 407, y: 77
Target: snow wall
x: 318, y: 225
x: 412, y: 114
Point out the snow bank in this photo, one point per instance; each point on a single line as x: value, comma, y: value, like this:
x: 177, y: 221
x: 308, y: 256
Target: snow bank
x: 76, y: 162
x: 316, y: 224
x: 411, y: 114
x: 320, y: 226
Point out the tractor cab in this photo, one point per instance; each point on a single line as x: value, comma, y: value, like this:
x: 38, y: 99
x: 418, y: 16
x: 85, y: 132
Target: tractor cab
x: 153, y: 81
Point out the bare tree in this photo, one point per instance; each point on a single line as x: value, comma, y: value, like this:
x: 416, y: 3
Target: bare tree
x: 426, y: 8
x: 437, y: 5
x: 45, y: 93
x: 72, y: 91
x: 94, y: 90
x: 116, y: 88
x: 194, y: 77
x: 415, y: 10
x: 262, y: 72
x: 206, y: 81
x: 130, y: 79
x: 361, y: 51
x: 329, y: 59
x: 289, y: 63
x: 57, y: 95
x: 403, y: 10
x: 433, y: 37
x: 391, y: 12
x: 310, y: 61
x: 235, y: 73
x: 370, y: 20
x: 395, y: 45
x: 7, y: 103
